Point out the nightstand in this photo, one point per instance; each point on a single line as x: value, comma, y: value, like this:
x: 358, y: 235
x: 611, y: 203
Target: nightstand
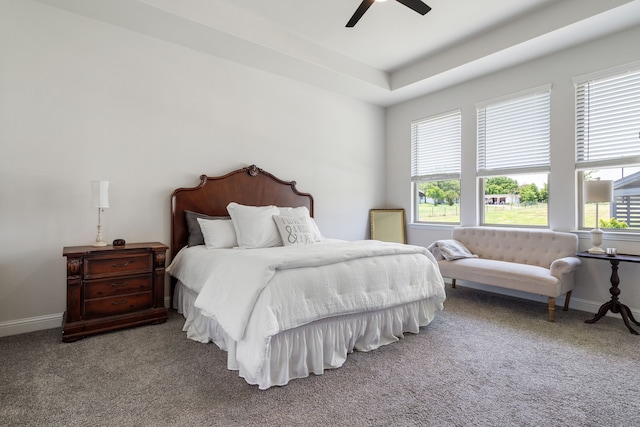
x: 113, y: 287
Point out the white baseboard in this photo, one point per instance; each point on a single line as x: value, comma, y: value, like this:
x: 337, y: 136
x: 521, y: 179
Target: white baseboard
x: 39, y: 323
x: 574, y: 303
x: 30, y: 324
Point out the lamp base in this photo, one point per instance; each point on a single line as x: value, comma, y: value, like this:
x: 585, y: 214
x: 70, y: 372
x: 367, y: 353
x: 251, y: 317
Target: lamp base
x: 596, y: 241
x: 99, y: 241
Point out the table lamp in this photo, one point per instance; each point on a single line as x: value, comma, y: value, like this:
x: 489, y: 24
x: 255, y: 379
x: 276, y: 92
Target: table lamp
x: 100, y: 200
x: 597, y: 192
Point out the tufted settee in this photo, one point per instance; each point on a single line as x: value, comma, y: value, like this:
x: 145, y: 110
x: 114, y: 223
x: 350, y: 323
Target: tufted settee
x: 530, y: 260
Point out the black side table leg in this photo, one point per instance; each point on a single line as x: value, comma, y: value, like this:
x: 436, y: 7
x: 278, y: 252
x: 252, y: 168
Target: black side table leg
x: 631, y: 315
x: 600, y: 314
x: 626, y: 315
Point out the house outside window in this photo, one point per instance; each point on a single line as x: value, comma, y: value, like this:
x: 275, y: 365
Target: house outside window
x: 514, y: 158
x: 608, y: 144
x: 435, y: 168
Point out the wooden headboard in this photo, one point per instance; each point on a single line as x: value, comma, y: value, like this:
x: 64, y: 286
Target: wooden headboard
x: 247, y: 186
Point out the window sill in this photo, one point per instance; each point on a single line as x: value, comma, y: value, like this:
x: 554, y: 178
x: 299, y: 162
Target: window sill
x: 620, y: 236
x: 432, y: 226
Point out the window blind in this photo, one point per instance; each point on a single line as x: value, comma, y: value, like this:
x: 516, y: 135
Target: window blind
x: 608, y: 120
x: 436, y: 147
x: 514, y: 135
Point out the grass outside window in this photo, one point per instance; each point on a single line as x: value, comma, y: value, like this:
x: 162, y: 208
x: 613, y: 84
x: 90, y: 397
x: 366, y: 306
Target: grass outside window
x: 531, y: 215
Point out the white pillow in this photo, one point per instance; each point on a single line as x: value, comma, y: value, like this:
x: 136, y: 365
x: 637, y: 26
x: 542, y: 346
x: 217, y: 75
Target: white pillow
x: 254, y: 225
x: 315, y: 230
x: 294, y: 231
x: 218, y: 233
x: 303, y: 212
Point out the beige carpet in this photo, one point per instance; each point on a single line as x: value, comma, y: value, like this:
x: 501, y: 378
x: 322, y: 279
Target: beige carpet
x: 487, y: 360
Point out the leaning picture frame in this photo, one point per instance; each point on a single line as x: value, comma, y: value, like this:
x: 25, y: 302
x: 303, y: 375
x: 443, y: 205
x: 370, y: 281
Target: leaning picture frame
x: 388, y: 225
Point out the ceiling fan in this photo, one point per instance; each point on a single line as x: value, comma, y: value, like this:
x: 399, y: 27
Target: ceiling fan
x: 416, y: 5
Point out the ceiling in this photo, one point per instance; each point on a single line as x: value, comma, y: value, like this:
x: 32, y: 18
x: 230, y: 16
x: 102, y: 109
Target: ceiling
x: 391, y: 55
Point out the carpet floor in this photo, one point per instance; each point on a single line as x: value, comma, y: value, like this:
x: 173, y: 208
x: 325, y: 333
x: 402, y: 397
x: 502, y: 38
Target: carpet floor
x: 486, y: 360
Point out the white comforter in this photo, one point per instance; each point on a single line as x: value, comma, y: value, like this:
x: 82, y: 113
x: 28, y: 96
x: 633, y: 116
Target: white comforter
x: 230, y: 281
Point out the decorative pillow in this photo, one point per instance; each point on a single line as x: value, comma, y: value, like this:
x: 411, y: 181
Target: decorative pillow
x: 453, y: 249
x: 218, y: 233
x: 303, y: 212
x: 254, y: 225
x: 195, y: 233
x: 294, y: 231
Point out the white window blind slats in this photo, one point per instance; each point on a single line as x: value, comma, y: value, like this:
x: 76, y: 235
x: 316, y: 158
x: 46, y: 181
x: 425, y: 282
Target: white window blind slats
x: 514, y: 135
x: 613, y: 83
x: 436, y: 148
x: 512, y: 140
x: 608, y: 120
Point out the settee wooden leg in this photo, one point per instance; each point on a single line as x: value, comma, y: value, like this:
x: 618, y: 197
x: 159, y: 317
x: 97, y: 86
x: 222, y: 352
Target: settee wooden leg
x: 566, y: 301
x: 453, y: 283
x: 552, y: 309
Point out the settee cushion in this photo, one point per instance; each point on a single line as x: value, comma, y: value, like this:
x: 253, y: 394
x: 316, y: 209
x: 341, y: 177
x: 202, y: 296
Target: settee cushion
x: 512, y: 275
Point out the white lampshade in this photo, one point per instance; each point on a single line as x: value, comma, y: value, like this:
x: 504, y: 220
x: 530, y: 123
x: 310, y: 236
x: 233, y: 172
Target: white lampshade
x: 598, y: 191
x: 100, y: 194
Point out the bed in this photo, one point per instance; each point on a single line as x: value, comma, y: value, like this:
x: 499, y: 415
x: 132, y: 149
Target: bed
x: 284, y: 310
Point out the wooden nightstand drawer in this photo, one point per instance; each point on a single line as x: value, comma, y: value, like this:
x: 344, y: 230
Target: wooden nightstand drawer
x: 101, y: 288
x: 116, y: 305
x: 113, y: 287
x: 117, y: 265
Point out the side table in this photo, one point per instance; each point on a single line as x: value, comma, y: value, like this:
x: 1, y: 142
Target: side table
x: 113, y: 287
x: 614, y: 305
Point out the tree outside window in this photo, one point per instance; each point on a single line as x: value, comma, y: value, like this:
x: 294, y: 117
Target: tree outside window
x: 516, y: 200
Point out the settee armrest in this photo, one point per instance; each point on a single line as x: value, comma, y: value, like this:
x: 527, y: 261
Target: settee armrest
x: 564, y: 265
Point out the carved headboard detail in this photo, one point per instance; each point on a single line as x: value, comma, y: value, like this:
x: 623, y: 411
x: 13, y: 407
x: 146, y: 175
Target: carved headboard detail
x: 247, y: 186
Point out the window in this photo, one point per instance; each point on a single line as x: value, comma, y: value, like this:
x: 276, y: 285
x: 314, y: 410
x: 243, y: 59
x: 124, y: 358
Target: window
x: 608, y: 144
x: 514, y: 158
x: 623, y: 212
x: 435, y: 168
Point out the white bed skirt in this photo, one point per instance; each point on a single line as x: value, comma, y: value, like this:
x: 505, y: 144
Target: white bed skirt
x: 311, y: 348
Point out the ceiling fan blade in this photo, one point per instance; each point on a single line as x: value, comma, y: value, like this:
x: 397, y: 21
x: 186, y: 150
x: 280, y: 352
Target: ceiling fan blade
x: 416, y: 5
x: 359, y: 12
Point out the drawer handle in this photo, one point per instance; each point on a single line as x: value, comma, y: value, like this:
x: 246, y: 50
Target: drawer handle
x: 122, y: 265
x: 124, y: 301
x: 119, y: 284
